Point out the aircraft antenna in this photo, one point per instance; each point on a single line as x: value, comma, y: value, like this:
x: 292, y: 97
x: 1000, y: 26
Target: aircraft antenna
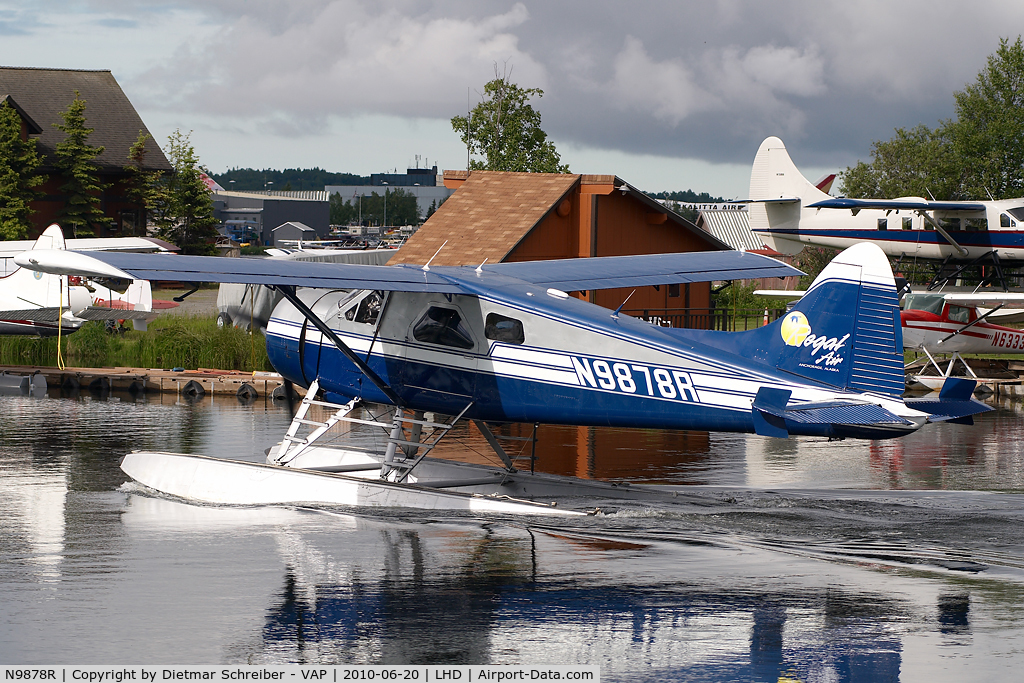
x: 990, y: 197
x: 480, y: 268
x: 616, y: 313
x: 426, y: 266
x: 930, y: 193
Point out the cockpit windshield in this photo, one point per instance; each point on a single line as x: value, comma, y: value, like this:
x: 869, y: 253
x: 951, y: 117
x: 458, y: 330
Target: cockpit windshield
x: 930, y: 303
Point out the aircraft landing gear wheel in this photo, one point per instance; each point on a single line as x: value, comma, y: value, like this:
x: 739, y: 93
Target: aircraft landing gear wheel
x: 223, y: 320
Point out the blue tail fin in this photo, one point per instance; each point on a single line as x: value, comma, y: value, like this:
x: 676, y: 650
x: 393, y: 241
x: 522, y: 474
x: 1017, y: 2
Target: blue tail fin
x: 846, y: 330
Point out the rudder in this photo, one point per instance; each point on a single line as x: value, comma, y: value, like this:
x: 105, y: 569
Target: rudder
x: 846, y: 329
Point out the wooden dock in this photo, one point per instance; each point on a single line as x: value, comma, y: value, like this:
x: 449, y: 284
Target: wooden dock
x: 202, y: 382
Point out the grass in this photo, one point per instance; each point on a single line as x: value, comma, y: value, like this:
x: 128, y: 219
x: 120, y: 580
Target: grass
x: 172, y: 341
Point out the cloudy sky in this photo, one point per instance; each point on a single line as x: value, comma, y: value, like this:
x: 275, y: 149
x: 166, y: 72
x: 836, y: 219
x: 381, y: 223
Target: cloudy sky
x: 667, y: 94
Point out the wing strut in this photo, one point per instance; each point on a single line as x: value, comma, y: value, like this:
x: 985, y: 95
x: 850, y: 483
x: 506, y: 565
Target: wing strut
x: 979, y: 319
x: 942, y: 231
x: 288, y: 291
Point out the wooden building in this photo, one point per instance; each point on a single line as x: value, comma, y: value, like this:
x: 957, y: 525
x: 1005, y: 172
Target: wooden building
x: 39, y: 96
x: 501, y: 216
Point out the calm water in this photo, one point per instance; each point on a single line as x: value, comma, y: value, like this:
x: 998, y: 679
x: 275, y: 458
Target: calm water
x: 817, y: 561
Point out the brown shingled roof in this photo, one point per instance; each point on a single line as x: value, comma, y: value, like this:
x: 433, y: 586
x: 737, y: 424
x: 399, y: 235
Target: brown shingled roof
x: 486, y: 218
x: 44, y: 93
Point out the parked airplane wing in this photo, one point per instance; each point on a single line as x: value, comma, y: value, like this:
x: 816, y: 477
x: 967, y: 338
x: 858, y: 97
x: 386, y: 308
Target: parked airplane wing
x: 636, y: 271
x: 41, y: 315
x: 910, y: 203
x: 982, y: 298
x: 565, y: 274
x: 251, y: 271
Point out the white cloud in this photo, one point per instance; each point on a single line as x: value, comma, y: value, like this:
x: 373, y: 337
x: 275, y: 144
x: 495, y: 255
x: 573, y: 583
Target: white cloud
x: 786, y: 70
x: 667, y: 89
x: 686, y: 79
x: 349, y: 59
x: 720, y: 80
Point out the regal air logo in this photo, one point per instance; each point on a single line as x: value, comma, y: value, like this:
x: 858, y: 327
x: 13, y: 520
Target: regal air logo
x: 796, y: 331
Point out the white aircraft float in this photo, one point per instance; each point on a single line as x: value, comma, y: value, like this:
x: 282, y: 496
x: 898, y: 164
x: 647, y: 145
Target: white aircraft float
x: 506, y: 342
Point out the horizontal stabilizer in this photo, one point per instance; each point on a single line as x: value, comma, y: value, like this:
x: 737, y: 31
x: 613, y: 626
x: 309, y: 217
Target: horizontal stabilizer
x: 769, y: 409
x: 771, y: 412
x: 39, y: 315
x: 954, y: 404
x: 845, y: 414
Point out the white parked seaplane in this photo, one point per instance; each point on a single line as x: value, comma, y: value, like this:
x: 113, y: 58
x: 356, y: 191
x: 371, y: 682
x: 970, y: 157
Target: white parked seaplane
x: 788, y: 212
x: 45, y: 305
x: 506, y: 342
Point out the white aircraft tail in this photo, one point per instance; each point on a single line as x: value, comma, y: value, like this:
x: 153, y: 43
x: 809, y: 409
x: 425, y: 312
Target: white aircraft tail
x: 140, y: 295
x: 777, y: 192
x: 26, y: 289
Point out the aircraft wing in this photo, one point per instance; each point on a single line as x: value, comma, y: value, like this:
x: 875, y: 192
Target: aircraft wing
x: 783, y: 294
x: 607, y: 272
x: 103, y: 313
x: 911, y: 203
x: 565, y: 274
x: 152, y: 267
x: 982, y: 298
x: 771, y: 200
x: 10, y: 249
x: 39, y: 315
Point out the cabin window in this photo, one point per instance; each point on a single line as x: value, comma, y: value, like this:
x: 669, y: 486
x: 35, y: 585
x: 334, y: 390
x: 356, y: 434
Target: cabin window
x: 1017, y: 213
x: 908, y: 223
x: 883, y: 223
x: 442, y: 326
x: 1006, y: 222
x: 503, y: 329
x: 368, y: 310
x: 975, y: 224
x: 929, y: 303
x: 950, y: 223
x: 959, y: 314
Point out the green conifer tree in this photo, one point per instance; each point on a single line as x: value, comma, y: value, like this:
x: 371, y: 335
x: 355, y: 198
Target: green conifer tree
x: 143, y: 186
x: 18, y: 164
x: 185, y: 215
x: 74, y: 158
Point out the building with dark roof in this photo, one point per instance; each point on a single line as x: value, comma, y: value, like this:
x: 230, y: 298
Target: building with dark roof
x: 501, y: 216
x: 39, y: 96
x: 246, y: 216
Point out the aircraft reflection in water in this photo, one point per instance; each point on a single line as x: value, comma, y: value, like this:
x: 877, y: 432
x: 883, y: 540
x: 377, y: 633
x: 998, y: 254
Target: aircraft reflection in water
x: 449, y: 593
